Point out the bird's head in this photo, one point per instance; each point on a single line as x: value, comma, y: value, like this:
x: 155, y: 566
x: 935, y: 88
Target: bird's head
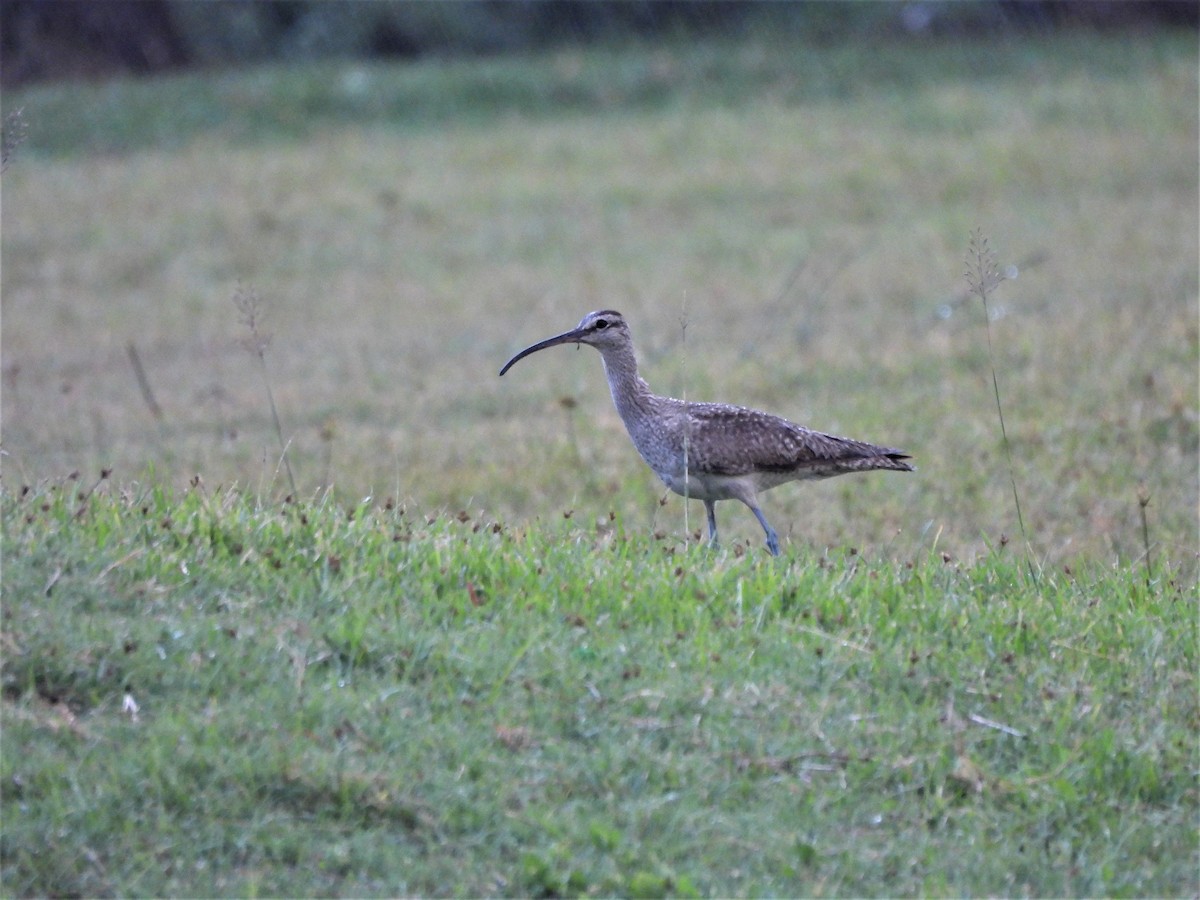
x: 602, y: 329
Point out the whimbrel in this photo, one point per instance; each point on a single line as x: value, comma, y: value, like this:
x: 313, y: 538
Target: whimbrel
x: 714, y: 451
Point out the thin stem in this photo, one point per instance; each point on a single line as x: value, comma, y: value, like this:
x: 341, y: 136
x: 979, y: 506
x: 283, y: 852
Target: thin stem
x: 687, y: 421
x: 249, y: 305
x: 983, y: 277
x: 287, y: 466
x: 1143, y: 502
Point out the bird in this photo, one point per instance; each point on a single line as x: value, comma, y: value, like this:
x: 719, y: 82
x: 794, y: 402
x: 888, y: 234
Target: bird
x: 714, y: 451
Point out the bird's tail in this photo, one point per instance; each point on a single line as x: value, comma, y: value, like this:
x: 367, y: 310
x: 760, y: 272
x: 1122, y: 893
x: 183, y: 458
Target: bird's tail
x: 896, y: 460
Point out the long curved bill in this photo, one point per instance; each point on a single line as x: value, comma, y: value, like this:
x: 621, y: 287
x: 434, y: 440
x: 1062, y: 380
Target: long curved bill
x: 567, y: 337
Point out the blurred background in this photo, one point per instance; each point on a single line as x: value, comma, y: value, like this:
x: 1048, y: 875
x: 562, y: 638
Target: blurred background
x: 54, y: 39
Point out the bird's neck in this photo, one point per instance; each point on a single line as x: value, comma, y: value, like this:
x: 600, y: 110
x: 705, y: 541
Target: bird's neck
x: 630, y: 393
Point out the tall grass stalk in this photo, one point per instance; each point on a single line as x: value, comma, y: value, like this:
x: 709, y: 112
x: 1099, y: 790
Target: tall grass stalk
x: 1143, y: 502
x: 687, y: 422
x: 249, y: 304
x: 983, y: 277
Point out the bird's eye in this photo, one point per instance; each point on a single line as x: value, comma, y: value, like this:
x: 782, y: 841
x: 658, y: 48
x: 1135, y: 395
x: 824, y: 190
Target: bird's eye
x: 601, y: 323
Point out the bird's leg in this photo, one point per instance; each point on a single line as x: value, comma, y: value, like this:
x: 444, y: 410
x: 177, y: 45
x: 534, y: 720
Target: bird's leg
x: 710, y: 507
x: 772, y: 537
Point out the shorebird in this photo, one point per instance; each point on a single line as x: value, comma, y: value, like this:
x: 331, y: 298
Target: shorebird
x: 714, y: 451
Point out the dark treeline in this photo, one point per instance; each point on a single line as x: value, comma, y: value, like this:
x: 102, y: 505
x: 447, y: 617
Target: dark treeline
x: 56, y: 39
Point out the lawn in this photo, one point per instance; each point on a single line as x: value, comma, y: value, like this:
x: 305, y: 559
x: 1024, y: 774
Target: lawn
x: 470, y: 651
x: 204, y: 696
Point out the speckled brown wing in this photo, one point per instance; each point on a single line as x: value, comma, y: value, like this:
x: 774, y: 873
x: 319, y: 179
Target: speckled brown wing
x: 734, y: 440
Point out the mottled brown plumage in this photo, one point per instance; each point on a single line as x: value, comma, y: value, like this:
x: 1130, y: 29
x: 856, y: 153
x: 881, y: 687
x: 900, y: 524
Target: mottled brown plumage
x: 713, y: 451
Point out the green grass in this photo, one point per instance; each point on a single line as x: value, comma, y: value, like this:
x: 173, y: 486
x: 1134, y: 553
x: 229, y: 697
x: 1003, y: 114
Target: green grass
x: 357, y: 701
x: 510, y: 670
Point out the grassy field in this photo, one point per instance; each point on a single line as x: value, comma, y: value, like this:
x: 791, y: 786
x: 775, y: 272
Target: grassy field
x: 316, y: 699
x: 808, y: 225
x: 510, y: 669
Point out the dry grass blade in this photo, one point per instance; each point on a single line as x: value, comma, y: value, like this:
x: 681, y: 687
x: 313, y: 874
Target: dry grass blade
x: 139, y: 372
x: 983, y: 277
x: 250, y: 305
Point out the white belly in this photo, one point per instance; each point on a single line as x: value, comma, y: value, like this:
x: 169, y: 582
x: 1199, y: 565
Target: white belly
x: 701, y: 486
